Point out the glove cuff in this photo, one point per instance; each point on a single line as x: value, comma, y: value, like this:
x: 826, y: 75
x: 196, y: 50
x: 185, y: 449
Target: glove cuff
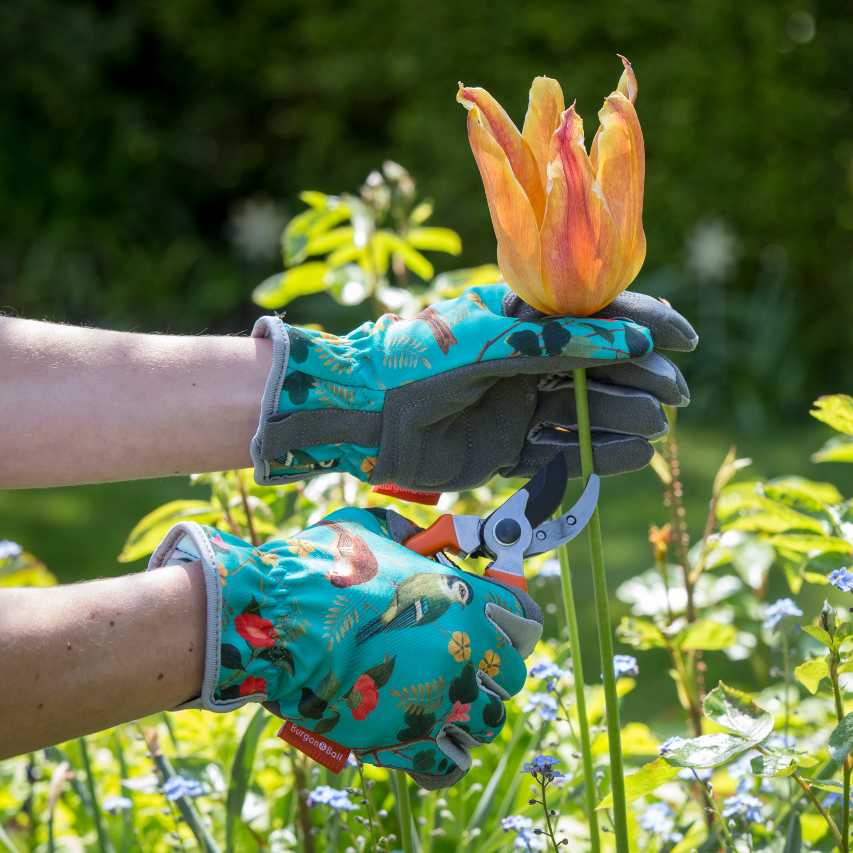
x: 298, y: 445
x: 185, y: 543
x: 271, y: 327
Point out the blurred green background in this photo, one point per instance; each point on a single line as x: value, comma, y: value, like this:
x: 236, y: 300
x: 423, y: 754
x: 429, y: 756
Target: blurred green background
x: 151, y: 154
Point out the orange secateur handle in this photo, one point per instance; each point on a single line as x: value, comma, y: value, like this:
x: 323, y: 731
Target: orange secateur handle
x: 441, y: 536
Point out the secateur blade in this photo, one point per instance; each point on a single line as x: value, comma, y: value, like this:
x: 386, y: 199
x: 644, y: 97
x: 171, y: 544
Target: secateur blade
x: 564, y: 528
x: 544, y: 491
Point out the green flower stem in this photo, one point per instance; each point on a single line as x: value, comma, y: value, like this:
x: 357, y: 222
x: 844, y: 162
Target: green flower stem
x: 404, y: 811
x: 93, y: 796
x: 605, y: 635
x: 590, y: 794
x: 834, y: 661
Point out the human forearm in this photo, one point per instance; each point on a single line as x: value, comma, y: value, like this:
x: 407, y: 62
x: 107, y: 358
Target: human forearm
x: 77, y: 659
x: 87, y: 405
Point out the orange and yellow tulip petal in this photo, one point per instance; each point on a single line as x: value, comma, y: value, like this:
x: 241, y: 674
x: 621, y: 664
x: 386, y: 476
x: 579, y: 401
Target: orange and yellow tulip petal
x: 618, y: 160
x: 628, y: 81
x: 544, y: 112
x: 515, y: 225
x: 505, y: 133
x: 577, y: 233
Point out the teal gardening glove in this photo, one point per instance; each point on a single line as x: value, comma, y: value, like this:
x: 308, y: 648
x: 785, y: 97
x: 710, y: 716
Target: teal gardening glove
x: 340, y: 629
x: 471, y: 387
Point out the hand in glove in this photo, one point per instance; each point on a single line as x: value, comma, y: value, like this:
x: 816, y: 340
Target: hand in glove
x: 471, y: 387
x: 353, y: 636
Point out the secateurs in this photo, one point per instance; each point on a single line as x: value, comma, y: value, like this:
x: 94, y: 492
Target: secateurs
x: 517, y: 529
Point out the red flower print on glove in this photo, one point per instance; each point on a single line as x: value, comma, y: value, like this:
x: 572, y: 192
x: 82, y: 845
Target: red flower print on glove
x: 365, y: 697
x: 459, y: 713
x: 258, y: 632
x: 253, y: 685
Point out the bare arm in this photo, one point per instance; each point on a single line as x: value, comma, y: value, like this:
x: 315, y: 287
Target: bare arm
x: 87, y: 405
x: 77, y: 659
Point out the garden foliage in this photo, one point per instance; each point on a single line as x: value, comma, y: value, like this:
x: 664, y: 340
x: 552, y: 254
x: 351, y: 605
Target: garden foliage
x: 726, y: 770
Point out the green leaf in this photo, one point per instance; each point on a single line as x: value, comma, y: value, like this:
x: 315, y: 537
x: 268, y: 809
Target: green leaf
x: 735, y: 711
x: 819, y: 634
x: 329, y: 241
x: 803, y: 495
x: 836, y: 410
x: 281, y: 288
x: 640, y: 633
x: 812, y: 672
x: 150, y: 530
x: 841, y: 739
x: 838, y: 449
x: 435, y: 240
x: 823, y: 493
x: 421, y: 213
x: 706, y: 635
x: 807, y: 543
x: 661, y: 467
x: 25, y: 570
x: 707, y: 750
x: 410, y: 256
x: 774, y: 763
x: 649, y: 777
x: 308, y: 224
x: 241, y: 772
x: 317, y: 200
x: 728, y: 469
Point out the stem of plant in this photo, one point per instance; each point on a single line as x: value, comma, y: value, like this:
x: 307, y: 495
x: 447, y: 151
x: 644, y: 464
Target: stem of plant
x: 404, y: 811
x: 93, y: 795
x: 590, y: 794
x: 847, y: 766
x: 605, y: 636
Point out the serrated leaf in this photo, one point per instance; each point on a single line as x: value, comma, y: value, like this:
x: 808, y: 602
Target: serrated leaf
x: 708, y: 750
x: 706, y: 635
x: 435, y: 240
x: 823, y: 493
x: 736, y: 711
x: 280, y: 289
x: 836, y: 410
x: 649, y: 777
x: 812, y: 672
x: 841, y: 739
x: 150, y: 529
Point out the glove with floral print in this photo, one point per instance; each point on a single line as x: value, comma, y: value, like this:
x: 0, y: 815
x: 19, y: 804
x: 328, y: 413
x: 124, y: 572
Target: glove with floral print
x: 405, y: 660
x: 469, y: 388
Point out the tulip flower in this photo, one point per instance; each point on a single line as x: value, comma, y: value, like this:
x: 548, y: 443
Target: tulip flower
x: 569, y: 224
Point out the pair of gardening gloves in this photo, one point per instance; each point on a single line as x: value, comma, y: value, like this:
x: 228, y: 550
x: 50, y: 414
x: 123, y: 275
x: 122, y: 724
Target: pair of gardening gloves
x: 405, y: 660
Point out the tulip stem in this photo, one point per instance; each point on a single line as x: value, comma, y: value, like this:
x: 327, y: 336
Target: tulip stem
x: 590, y: 794
x: 404, y: 810
x: 605, y: 635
